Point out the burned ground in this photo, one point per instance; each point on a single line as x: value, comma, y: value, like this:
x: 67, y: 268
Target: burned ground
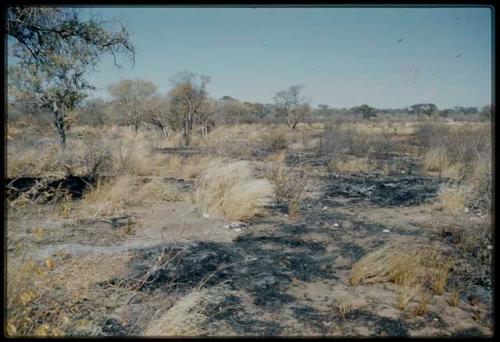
x: 279, y: 275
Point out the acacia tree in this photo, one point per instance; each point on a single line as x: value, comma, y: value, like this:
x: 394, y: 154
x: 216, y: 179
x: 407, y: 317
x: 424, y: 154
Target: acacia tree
x: 366, y: 111
x: 186, y: 100
x: 130, y: 100
x: 291, y: 105
x: 53, y: 50
x: 424, y: 108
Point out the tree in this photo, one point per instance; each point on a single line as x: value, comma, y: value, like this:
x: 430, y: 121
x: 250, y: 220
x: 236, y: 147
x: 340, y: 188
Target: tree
x: 54, y: 49
x: 232, y: 111
x: 204, y: 119
x: 291, y: 105
x: 158, y: 113
x: 366, y: 111
x: 423, y: 108
x: 487, y: 112
x: 130, y: 100
x: 93, y: 112
x: 187, y: 97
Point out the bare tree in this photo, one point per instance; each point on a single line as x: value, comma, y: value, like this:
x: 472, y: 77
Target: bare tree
x: 187, y: 98
x: 291, y: 105
x: 158, y: 113
x: 130, y: 97
x: 205, y: 116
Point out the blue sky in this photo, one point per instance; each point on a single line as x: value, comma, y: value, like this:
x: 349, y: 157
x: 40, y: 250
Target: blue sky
x: 385, y: 57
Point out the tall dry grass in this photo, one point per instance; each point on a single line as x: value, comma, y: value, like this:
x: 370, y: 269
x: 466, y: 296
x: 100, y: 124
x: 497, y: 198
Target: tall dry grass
x: 231, y: 191
x: 111, y: 198
x: 409, y: 266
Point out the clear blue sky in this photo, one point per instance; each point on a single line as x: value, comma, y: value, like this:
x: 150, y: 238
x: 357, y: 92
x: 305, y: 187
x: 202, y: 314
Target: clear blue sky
x: 385, y: 57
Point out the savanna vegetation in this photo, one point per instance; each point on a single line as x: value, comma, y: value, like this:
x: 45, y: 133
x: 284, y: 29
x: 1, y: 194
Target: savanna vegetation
x: 181, y: 214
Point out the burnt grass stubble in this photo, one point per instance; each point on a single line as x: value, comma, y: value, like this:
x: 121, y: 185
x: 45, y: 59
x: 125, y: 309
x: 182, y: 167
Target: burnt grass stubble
x: 266, y: 273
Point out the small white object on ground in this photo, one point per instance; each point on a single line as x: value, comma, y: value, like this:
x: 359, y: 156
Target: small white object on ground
x: 238, y: 224
x: 336, y: 225
x: 466, y: 210
x: 206, y: 215
x: 226, y: 226
x: 489, y: 247
x: 386, y: 231
x: 436, y: 319
x: 238, y: 230
x: 325, y: 207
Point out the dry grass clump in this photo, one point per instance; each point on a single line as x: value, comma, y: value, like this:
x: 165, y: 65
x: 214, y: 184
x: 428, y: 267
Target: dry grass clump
x: 232, y: 141
x: 411, y: 266
x: 288, y: 186
x: 348, y: 165
x: 193, y: 167
x: 278, y: 157
x: 381, y: 145
x: 132, y: 156
x: 110, y: 198
x: 274, y: 140
x: 338, y: 139
x: 437, y: 160
x: 185, y: 167
x: 230, y: 190
x: 480, y: 182
x: 422, y: 305
x: 55, y: 297
x: 190, y: 315
x: 344, y: 306
x: 404, y: 295
x: 43, y: 160
x: 185, y: 318
x: 452, y: 198
x: 32, y: 308
x: 454, y: 298
x: 453, y: 150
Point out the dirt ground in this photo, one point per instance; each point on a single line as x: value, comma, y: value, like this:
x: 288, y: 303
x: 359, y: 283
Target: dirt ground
x: 275, y: 275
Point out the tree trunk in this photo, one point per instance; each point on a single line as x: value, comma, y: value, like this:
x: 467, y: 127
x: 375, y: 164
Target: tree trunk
x: 164, y: 130
x: 59, y: 122
x: 61, y: 131
x: 187, y: 128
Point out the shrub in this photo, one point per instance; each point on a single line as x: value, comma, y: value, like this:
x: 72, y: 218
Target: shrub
x: 381, y: 145
x: 275, y: 140
x: 286, y: 184
x: 96, y: 159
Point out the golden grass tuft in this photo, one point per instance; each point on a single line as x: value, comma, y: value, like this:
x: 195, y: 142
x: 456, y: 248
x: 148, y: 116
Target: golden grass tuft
x: 452, y: 198
x: 189, y: 315
x: 437, y: 160
x: 350, y: 165
x: 110, y: 198
x: 230, y: 190
x: 399, y: 263
x: 404, y: 295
